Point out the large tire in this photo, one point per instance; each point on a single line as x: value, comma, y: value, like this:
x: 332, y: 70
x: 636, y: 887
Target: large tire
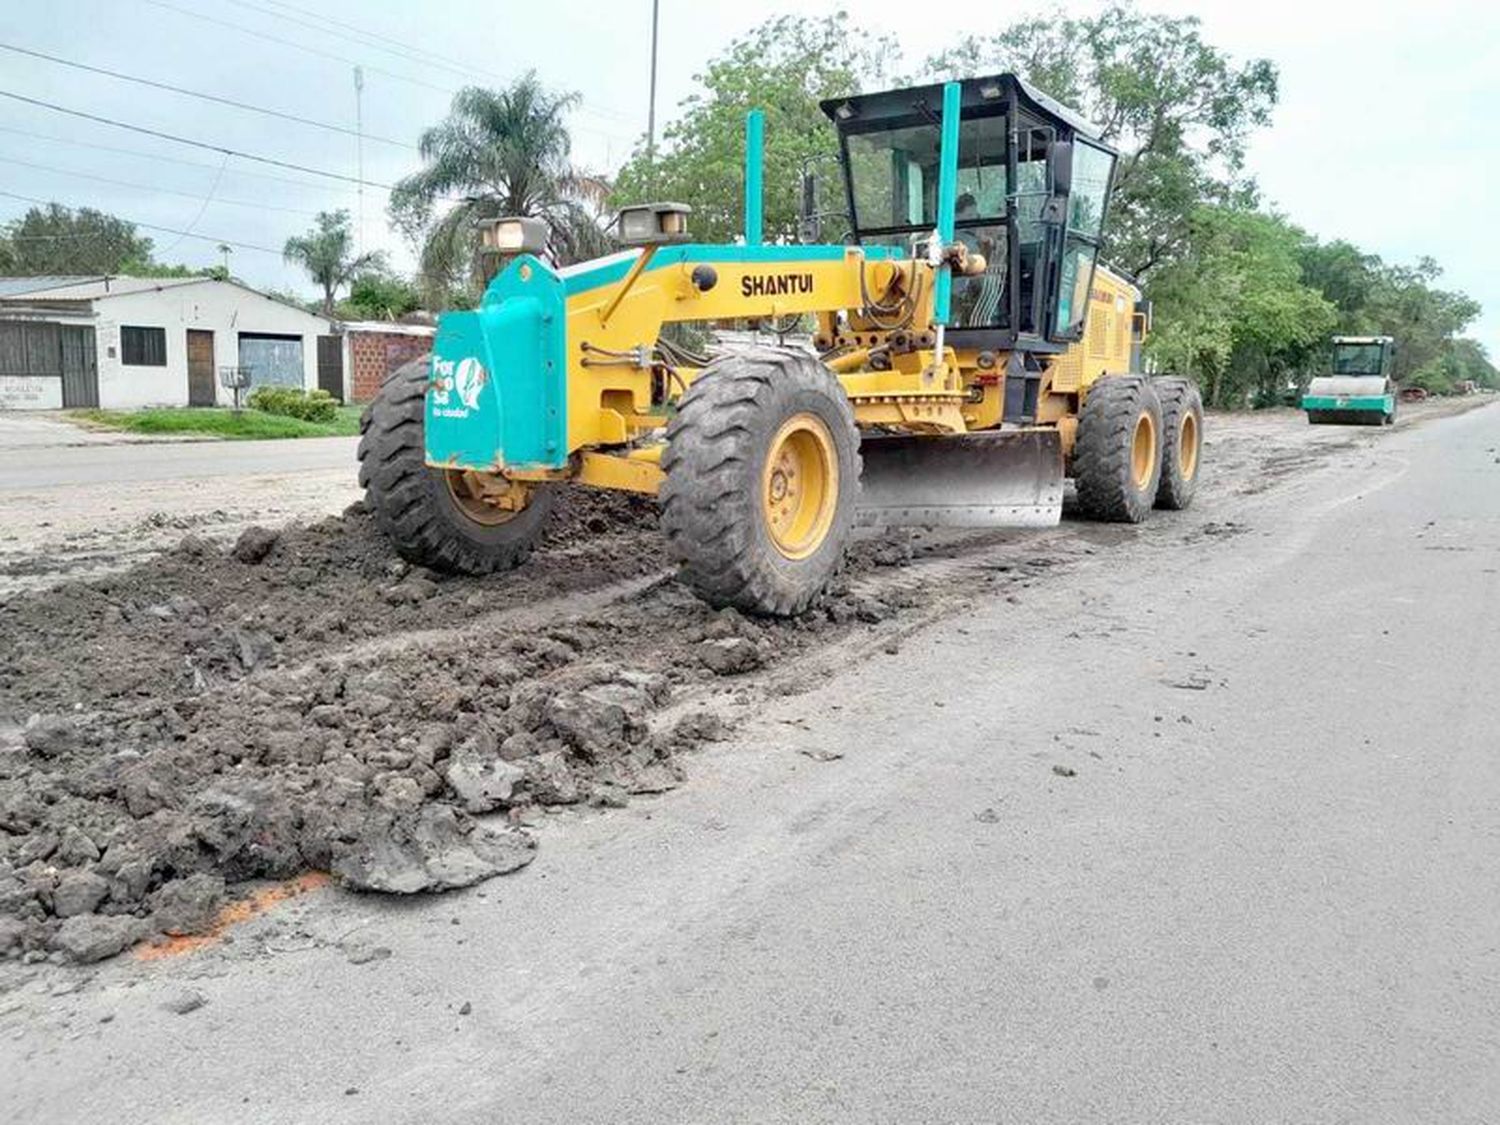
x: 1181, y: 441
x: 1117, y: 460
x: 762, y: 478
x: 421, y: 509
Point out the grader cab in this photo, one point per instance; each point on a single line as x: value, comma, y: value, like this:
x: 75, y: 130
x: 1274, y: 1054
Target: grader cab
x: 968, y: 351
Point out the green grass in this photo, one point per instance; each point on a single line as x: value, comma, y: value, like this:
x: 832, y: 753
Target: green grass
x: 212, y: 422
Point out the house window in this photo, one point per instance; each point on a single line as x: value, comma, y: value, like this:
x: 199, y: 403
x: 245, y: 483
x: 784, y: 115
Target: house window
x: 143, y: 347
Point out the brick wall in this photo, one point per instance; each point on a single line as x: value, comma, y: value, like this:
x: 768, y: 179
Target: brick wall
x: 374, y: 355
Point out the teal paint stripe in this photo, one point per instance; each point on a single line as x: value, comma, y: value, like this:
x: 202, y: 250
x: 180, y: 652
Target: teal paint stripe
x: 947, y: 195
x: 1365, y: 402
x: 692, y: 253
x: 755, y: 163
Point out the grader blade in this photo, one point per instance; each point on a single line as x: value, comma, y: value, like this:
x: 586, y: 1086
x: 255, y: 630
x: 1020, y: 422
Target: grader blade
x: 1004, y: 479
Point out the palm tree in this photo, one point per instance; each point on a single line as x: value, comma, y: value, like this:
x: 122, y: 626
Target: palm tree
x: 499, y: 152
x: 327, y: 254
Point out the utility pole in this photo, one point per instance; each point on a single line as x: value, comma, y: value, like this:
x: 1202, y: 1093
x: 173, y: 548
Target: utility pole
x: 651, y: 109
x: 359, y: 157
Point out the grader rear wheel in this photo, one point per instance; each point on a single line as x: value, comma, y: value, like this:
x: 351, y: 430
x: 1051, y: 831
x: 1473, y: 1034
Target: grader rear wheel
x: 1117, y: 459
x: 1182, y: 441
x: 762, y: 476
x: 445, y: 519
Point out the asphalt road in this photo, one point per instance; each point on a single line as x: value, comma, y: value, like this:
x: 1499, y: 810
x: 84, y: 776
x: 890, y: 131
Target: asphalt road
x: 30, y: 466
x: 76, y: 503
x: 1268, y: 891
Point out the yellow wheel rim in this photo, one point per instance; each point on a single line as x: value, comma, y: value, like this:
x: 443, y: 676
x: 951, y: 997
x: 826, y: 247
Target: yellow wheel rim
x: 1187, y: 446
x: 800, y: 486
x: 490, y: 501
x: 1143, y: 453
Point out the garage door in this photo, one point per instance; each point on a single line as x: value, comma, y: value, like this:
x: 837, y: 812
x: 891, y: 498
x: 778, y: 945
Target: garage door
x: 36, y: 350
x: 274, y: 360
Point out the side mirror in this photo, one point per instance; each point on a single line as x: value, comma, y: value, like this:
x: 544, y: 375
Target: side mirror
x: 810, y: 224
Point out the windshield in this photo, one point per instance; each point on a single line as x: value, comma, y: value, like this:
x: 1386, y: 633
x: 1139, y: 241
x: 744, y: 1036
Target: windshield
x: 1357, y: 359
x: 895, y: 174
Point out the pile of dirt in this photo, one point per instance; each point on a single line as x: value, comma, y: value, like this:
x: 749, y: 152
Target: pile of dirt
x: 197, y: 618
x: 305, y: 700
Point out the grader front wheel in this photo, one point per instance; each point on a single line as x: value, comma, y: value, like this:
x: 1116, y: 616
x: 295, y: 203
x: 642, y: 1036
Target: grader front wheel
x: 440, y: 518
x: 1117, y: 460
x: 762, y: 476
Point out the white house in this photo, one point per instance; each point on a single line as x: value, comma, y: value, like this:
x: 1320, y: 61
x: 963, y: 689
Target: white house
x: 126, y: 342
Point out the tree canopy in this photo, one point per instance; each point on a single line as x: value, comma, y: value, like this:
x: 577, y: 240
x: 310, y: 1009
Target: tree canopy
x: 784, y: 67
x: 1178, y: 109
x: 1243, y: 300
x: 379, y: 295
x: 498, y: 153
x: 326, y: 252
x: 58, y: 240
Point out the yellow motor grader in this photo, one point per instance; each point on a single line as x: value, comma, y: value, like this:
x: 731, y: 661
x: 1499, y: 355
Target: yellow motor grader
x: 969, y: 352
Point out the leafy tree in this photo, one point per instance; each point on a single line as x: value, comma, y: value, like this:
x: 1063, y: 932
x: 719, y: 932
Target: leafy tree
x: 1463, y: 360
x: 1178, y: 109
x: 296, y: 300
x: 1233, y: 310
x: 378, y: 295
x: 1375, y: 298
x: 784, y: 67
x: 499, y: 152
x: 327, y: 254
x: 58, y: 240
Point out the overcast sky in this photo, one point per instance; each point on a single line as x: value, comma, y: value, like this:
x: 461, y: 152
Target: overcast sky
x: 1387, y: 133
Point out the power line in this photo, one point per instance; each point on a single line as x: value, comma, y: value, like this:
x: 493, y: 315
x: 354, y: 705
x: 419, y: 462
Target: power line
x: 200, y: 144
x: 155, y: 188
x: 243, y: 30
x: 445, y: 90
x: 207, y: 199
x: 199, y: 94
x: 416, y: 275
x: 171, y: 159
x: 152, y: 226
x: 402, y: 49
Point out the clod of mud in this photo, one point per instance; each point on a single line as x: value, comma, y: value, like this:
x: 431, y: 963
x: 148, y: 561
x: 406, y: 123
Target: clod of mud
x: 93, y: 937
x: 181, y: 1003
x: 364, y: 954
x: 729, y: 656
x: 188, y: 905
x: 254, y: 544
x: 434, y: 849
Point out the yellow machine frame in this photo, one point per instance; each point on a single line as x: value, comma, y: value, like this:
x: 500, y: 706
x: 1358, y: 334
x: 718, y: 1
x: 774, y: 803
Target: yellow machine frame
x: 619, y: 392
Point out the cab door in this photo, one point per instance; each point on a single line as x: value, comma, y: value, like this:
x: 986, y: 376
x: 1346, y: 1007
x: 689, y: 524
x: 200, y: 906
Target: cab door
x: 1082, y: 230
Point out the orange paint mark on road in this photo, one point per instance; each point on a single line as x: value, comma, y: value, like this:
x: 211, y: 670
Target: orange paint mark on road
x: 232, y: 914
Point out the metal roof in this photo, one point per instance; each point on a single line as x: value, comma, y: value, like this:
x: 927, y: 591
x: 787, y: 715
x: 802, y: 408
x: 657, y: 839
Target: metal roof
x: 97, y: 288
x: 23, y: 286
x: 927, y: 101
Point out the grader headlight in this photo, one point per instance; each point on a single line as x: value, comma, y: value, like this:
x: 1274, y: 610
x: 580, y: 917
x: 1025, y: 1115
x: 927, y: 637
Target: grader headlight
x: 513, y: 236
x: 654, y: 224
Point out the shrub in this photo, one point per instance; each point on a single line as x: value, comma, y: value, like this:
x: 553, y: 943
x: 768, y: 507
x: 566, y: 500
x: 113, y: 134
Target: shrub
x: 293, y: 402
